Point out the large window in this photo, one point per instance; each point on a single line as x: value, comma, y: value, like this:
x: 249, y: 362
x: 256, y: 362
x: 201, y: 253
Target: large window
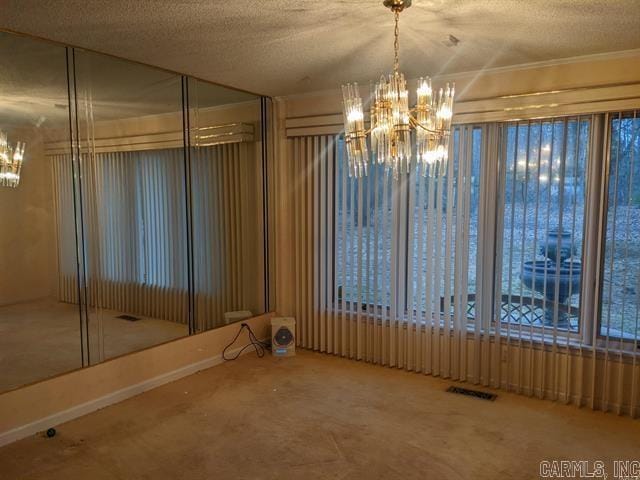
x: 507, y: 252
x: 621, y: 267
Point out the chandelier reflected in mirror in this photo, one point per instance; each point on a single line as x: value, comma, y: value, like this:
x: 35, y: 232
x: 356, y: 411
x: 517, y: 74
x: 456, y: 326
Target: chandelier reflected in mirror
x: 394, y: 126
x: 10, y: 161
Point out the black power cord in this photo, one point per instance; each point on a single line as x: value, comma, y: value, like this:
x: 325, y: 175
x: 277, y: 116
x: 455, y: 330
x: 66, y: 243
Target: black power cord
x: 259, y: 346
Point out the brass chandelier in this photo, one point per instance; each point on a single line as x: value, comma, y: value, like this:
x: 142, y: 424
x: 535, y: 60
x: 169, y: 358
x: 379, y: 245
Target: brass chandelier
x: 392, y: 121
x: 10, y: 162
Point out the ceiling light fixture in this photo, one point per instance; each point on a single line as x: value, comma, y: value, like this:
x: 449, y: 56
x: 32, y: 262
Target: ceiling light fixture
x: 392, y: 121
x: 10, y: 162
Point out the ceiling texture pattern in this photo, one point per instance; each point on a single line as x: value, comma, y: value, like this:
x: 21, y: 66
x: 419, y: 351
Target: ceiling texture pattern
x: 280, y: 47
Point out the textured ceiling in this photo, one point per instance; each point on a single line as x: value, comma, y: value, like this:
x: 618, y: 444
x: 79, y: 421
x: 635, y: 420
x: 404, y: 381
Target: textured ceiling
x: 279, y: 47
x: 33, y: 91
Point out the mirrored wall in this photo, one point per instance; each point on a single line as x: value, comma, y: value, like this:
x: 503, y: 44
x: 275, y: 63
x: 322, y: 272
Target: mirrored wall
x: 227, y: 192
x: 136, y: 214
x: 39, y: 330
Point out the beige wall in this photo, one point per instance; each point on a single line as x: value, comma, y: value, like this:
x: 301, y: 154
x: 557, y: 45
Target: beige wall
x: 595, y: 83
x: 36, y: 407
x: 27, y: 235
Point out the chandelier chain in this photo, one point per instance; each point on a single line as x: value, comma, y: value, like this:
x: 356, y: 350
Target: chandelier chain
x: 396, y: 43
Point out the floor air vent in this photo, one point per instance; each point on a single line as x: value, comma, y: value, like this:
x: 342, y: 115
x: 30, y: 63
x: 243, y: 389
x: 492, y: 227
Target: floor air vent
x: 472, y: 393
x: 129, y: 318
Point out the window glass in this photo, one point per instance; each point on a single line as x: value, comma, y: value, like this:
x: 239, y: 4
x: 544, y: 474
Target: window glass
x: 621, y: 274
x: 543, y: 222
x: 363, y: 261
x: 388, y: 250
x: 441, y: 209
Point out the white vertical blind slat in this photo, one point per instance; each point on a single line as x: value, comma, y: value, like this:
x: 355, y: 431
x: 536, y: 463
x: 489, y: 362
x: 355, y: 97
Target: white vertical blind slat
x: 134, y: 207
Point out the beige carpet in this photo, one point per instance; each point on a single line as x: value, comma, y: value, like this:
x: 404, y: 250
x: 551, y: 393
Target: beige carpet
x: 41, y: 339
x: 317, y: 416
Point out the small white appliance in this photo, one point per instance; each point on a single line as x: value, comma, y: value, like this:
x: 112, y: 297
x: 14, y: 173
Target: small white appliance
x: 283, y: 336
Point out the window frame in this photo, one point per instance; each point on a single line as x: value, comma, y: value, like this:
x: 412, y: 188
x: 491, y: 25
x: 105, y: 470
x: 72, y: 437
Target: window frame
x: 540, y: 332
x: 493, y: 176
x: 403, y: 236
x: 605, y: 341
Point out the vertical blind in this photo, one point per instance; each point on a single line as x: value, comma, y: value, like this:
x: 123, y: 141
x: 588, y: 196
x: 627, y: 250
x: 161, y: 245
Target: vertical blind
x: 619, y: 319
x: 478, y: 276
x: 134, y: 213
x: 135, y: 232
x: 539, y: 257
x: 358, y: 241
x: 63, y: 203
x: 228, y: 231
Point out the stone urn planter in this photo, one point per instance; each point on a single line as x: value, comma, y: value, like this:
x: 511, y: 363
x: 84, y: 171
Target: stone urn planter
x: 559, y: 271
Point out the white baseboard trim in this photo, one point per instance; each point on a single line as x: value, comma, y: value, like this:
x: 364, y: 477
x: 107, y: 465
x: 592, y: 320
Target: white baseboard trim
x: 58, y: 418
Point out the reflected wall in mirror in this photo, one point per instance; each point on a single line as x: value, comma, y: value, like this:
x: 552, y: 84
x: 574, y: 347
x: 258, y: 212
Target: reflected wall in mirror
x: 139, y: 214
x: 40, y: 333
x: 226, y: 165
x: 133, y: 204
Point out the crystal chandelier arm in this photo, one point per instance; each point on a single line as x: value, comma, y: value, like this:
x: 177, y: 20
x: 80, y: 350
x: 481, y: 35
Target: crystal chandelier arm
x: 417, y: 124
